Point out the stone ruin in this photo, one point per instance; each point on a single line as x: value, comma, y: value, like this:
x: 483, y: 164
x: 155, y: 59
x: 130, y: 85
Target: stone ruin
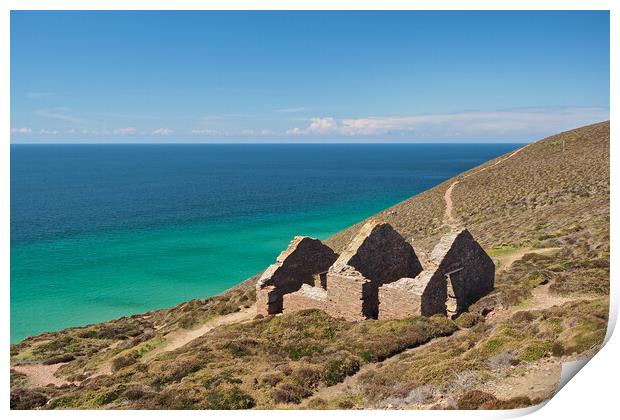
x: 459, y: 274
x: 297, y: 265
x: 377, y: 255
x: 377, y: 276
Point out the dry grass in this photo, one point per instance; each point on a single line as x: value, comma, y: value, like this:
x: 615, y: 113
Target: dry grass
x: 265, y: 363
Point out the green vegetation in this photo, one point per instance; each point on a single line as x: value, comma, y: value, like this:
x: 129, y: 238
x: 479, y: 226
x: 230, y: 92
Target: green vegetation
x: 572, y: 328
x: 479, y: 400
x: 270, y: 361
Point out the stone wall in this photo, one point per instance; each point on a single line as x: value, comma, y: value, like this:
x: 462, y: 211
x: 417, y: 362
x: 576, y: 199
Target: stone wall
x: 423, y: 295
x: 345, y: 294
x: 380, y: 255
x: 400, y: 299
x: 457, y: 258
x: 294, y: 267
x: 265, y: 298
x: 471, y: 272
x: 305, y: 298
x: 377, y: 276
x: 435, y: 294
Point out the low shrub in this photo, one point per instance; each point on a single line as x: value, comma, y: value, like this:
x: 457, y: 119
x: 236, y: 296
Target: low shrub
x: 125, y: 360
x: 290, y: 393
x: 63, y: 358
x: 557, y: 349
x: 474, y: 399
x: 175, y: 371
x: 106, y: 397
x: 224, y: 377
x: 26, y: 399
x: 228, y: 398
x: 336, y: 370
x: 66, y: 344
x: 468, y: 320
x: 523, y: 316
x: 512, y: 403
x: 18, y: 379
x: 317, y: 404
x: 535, y: 350
x: 135, y: 394
x: 307, y: 377
x: 270, y: 379
x: 174, y: 399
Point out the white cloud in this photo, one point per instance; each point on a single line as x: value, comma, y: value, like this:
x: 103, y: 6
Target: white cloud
x: 45, y: 132
x: 125, y: 131
x: 162, y: 131
x: 206, y: 132
x: 21, y: 130
x: 515, y: 123
x: 87, y: 132
x: 260, y: 132
x: 291, y: 110
x: 320, y: 126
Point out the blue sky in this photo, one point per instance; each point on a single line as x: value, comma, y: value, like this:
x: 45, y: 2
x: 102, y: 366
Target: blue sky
x: 175, y: 76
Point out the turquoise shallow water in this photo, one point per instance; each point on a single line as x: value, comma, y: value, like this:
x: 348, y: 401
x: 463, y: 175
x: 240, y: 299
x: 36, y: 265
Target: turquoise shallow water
x: 103, y: 231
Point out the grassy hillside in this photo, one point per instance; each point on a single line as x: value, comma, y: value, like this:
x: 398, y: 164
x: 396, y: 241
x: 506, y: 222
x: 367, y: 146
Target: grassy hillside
x: 513, y: 202
x: 542, y: 214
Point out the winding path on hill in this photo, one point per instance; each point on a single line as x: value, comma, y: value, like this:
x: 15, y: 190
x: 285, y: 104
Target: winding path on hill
x: 448, y: 218
x: 179, y: 338
x: 42, y: 375
x: 503, y: 263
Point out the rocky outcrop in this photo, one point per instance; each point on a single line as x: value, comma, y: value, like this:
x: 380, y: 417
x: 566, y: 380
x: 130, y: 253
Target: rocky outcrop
x: 299, y: 264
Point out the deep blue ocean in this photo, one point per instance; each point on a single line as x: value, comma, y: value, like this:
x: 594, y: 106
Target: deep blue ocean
x: 101, y: 231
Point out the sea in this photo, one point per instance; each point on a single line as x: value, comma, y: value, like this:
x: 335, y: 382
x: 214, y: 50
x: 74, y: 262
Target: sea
x: 101, y: 231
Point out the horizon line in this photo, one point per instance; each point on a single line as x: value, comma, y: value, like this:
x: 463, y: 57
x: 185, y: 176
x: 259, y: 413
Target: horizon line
x: 263, y: 143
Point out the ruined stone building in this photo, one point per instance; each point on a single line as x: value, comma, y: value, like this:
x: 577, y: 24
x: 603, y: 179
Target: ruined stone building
x: 377, y: 276
x: 459, y: 274
x: 297, y: 265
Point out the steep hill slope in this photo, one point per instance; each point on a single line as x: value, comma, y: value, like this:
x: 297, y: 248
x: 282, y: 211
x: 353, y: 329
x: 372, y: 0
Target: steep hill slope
x: 542, y: 213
